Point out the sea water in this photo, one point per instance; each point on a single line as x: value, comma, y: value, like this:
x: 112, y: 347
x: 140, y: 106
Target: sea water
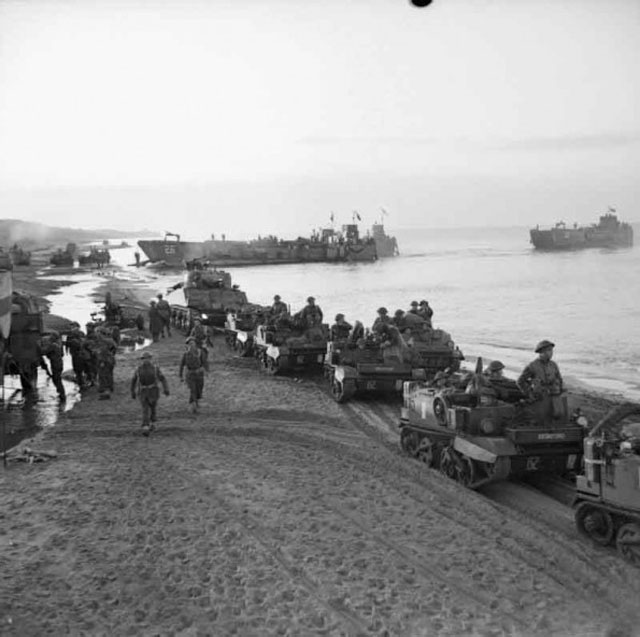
x: 488, y: 287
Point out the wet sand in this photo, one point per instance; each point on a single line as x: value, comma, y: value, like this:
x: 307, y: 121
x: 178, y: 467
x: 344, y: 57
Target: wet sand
x: 276, y: 511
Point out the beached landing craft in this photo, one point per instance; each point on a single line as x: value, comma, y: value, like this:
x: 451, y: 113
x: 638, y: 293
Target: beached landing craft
x: 326, y: 246
x: 609, y: 232
x: 488, y: 434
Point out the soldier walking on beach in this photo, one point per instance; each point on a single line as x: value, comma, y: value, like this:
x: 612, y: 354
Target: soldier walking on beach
x: 200, y: 334
x: 164, y: 311
x: 144, y: 385
x: 52, y: 349
x: 74, y: 344
x: 155, y: 322
x: 106, y: 348
x: 196, y: 362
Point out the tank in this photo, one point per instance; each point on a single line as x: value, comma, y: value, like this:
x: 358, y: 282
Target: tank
x: 607, y: 501
x: 373, y: 363
x: 290, y: 345
x: 19, y: 256
x: 63, y: 257
x: 23, y: 344
x: 240, y: 327
x: 477, y: 432
x: 209, y: 296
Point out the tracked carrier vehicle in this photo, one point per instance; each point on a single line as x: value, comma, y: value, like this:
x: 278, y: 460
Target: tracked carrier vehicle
x: 607, y: 503
x: 208, y: 295
x: 290, y: 346
x: 369, y: 365
x: 477, y: 438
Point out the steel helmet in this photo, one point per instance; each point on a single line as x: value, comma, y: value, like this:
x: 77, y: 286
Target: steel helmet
x: 382, y: 310
x: 495, y: 366
x: 145, y: 355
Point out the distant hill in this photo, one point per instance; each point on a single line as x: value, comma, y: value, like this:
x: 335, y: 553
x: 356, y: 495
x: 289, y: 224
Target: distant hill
x: 32, y: 236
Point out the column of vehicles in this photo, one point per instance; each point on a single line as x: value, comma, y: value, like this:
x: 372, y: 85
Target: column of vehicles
x: 475, y: 426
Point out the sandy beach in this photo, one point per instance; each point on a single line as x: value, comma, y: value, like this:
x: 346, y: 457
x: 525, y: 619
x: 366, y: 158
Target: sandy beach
x: 275, y: 511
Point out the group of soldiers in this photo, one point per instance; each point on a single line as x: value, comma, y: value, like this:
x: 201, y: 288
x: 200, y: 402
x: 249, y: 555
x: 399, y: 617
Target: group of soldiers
x: 148, y: 377
x: 159, y: 318
x: 309, y: 316
x: 93, y: 357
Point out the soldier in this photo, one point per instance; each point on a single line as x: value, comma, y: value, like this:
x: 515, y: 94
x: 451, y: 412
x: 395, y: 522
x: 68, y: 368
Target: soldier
x: 381, y: 321
x: 278, y: 307
x: 52, y: 349
x: 75, y: 341
x: 311, y: 313
x: 340, y: 329
x: 398, y: 320
x: 106, y: 348
x: 494, y: 371
x: 144, y: 385
x: 155, y: 322
x: 164, y: 311
x: 541, y: 381
x: 425, y: 311
x: 195, y: 359
x: 414, y: 307
x: 136, y: 254
x: 200, y: 334
x: 112, y: 312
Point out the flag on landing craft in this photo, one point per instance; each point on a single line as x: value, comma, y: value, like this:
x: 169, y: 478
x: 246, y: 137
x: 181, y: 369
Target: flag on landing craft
x: 5, y: 302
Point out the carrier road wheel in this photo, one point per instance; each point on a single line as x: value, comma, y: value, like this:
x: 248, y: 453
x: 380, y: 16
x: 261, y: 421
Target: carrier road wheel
x: 408, y: 441
x: 448, y: 463
x: 425, y: 452
x: 595, y: 523
x: 628, y: 542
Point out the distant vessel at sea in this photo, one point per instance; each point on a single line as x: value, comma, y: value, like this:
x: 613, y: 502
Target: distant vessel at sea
x: 609, y: 232
x: 327, y: 245
x: 386, y: 246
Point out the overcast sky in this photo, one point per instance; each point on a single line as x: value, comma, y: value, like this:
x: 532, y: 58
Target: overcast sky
x: 268, y: 114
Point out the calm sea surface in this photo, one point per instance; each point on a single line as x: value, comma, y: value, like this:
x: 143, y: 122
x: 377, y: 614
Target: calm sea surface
x: 488, y: 288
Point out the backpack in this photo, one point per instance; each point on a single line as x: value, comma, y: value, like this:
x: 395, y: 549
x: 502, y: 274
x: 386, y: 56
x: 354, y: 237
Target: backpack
x: 147, y: 374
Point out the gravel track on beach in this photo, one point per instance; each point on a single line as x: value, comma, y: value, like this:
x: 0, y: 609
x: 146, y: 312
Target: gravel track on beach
x: 276, y: 511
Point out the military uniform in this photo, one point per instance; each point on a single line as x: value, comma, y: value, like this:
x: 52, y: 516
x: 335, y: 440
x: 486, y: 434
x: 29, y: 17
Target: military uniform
x: 540, y: 378
x: 542, y: 382
x: 144, y: 385
x: 340, y: 329
x: 195, y: 360
x: 311, y: 313
x: 278, y: 307
x: 52, y: 349
x: 75, y: 342
x: 106, y: 360
x: 382, y: 320
x: 155, y: 322
x: 164, y: 311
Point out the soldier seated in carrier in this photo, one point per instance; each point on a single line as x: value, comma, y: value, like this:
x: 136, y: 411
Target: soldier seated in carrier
x: 340, y: 329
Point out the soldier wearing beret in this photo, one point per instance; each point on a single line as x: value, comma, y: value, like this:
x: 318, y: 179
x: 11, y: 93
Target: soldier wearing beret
x: 541, y: 379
